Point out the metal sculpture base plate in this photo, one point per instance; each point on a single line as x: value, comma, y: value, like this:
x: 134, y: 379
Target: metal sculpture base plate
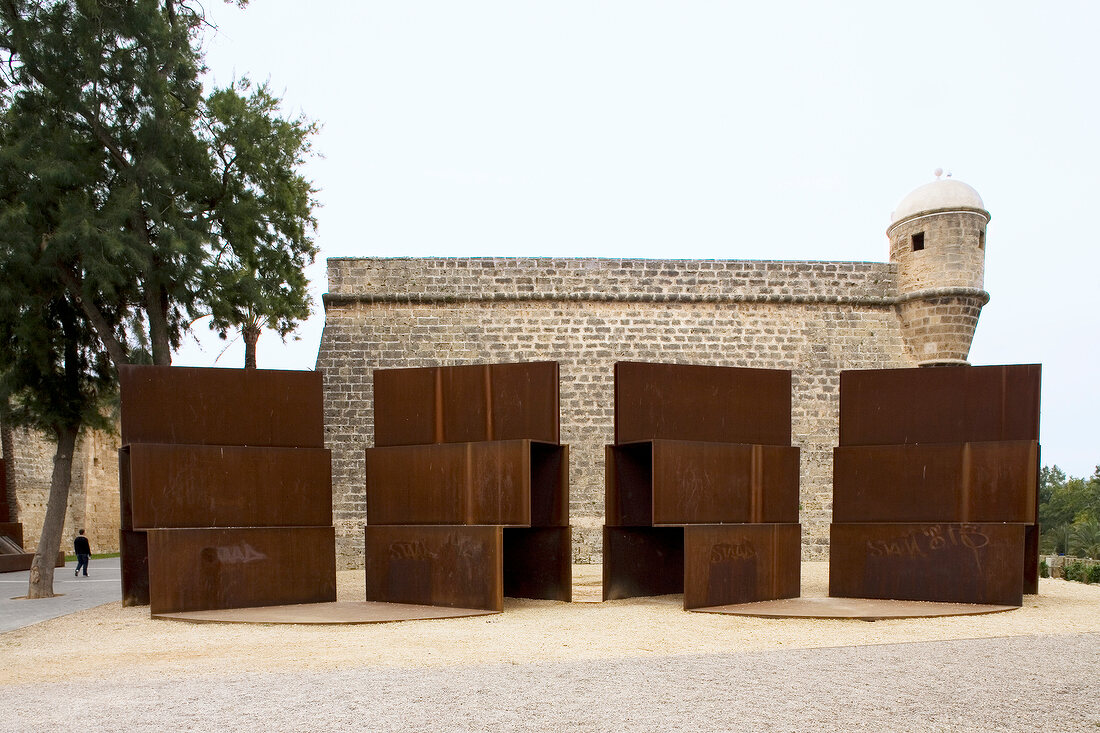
x: 337, y: 612
x: 862, y: 609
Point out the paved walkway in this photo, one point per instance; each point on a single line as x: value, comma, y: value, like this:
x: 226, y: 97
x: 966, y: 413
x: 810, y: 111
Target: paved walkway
x: 103, y: 585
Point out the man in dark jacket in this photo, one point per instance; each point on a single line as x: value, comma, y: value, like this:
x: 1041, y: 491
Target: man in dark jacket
x: 83, y: 553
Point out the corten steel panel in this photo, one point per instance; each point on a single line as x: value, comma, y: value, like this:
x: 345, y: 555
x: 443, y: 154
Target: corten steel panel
x: 702, y: 483
x: 549, y: 485
x: 10, y: 563
x: 228, y: 486
x: 513, y: 482
x: 1031, y: 559
x: 466, y: 404
x: 704, y: 403
x: 191, y: 405
x: 740, y: 563
x: 936, y: 482
x: 538, y: 563
x: 13, y: 531
x: 947, y: 561
x: 642, y: 561
x: 435, y: 565
x: 134, y: 560
x: 939, y: 404
x: 125, y: 495
x: 240, y: 567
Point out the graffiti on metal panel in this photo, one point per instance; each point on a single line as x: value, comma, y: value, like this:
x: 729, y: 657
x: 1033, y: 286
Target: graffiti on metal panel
x: 727, y: 551
x: 932, y: 539
x: 411, y: 551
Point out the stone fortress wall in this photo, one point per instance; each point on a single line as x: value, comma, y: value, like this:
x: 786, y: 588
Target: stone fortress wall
x: 93, y: 492
x: 814, y: 318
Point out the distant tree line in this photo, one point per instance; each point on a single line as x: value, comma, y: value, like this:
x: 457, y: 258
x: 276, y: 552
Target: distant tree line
x: 1069, y: 513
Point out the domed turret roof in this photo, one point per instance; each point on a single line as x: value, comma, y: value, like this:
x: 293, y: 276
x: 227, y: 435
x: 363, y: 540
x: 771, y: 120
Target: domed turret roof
x: 943, y: 193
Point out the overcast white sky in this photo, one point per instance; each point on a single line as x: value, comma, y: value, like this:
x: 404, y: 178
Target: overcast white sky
x: 779, y: 130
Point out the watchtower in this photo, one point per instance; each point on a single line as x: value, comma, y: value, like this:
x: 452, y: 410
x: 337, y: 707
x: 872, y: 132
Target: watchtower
x: 937, y: 240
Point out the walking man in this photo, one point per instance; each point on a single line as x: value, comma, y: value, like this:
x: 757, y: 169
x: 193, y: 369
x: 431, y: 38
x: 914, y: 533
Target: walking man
x: 83, y: 553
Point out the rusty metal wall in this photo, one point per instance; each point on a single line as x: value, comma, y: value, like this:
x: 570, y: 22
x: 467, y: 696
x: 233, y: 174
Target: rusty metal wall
x: 701, y: 487
x: 936, y: 484
x: 436, y: 565
x: 467, y: 487
x: 198, y: 569
x: 462, y: 404
x: 217, y: 459
x: 202, y: 406
x: 940, y: 404
x: 703, y: 403
x: 945, y: 561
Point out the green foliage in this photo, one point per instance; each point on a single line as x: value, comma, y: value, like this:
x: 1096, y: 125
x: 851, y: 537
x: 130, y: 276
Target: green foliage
x: 1044, y: 569
x: 1069, y: 513
x: 1076, y: 571
x: 176, y: 204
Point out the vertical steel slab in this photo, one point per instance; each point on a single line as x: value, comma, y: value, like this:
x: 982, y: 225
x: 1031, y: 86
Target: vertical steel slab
x: 642, y: 561
x: 202, y: 406
x: 703, y: 403
x: 740, y: 563
x: 435, y: 565
x: 134, y: 564
x: 948, y: 562
x: 240, y: 567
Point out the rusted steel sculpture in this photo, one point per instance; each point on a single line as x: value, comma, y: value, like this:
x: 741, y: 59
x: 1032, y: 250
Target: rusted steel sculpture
x: 467, y: 487
x: 226, y: 489
x: 935, y: 485
x: 701, y: 485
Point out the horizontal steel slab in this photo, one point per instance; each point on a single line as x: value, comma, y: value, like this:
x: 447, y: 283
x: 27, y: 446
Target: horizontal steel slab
x: 946, y: 561
x: 740, y: 563
x: 198, y: 569
x: 514, y: 482
x: 226, y: 486
x: 470, y: 403
x: 937, y: 482
x: 939, y: 404
x: 673, y: 482
x: 435, y: 565
x: 13, y: 531
x: 191, y: 405
x: 704, y: 403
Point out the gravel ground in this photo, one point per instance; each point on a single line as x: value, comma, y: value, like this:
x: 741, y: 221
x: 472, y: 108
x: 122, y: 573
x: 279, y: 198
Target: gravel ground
x: 640, y: 664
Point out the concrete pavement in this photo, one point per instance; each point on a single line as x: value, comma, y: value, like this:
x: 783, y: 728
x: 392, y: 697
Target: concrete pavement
x: 103, y: 585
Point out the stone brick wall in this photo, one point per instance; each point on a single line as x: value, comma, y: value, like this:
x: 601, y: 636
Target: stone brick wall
x: 814, y: 318
x: 93, y: 492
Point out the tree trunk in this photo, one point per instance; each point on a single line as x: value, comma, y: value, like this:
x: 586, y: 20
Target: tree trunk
x: 42, y: 566
x: 156, y: 308
x: 251, y: 334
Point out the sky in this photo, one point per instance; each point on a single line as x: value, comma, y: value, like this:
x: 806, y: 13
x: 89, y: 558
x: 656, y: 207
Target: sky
x: 695, y: 129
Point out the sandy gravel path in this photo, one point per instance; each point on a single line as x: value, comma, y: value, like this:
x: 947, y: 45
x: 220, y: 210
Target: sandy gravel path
x: 639, y: 664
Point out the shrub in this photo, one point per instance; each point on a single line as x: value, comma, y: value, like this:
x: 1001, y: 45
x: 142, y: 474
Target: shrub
x: 1094, y: 573
x: 1076, y: 570
x: 1044, y: 569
